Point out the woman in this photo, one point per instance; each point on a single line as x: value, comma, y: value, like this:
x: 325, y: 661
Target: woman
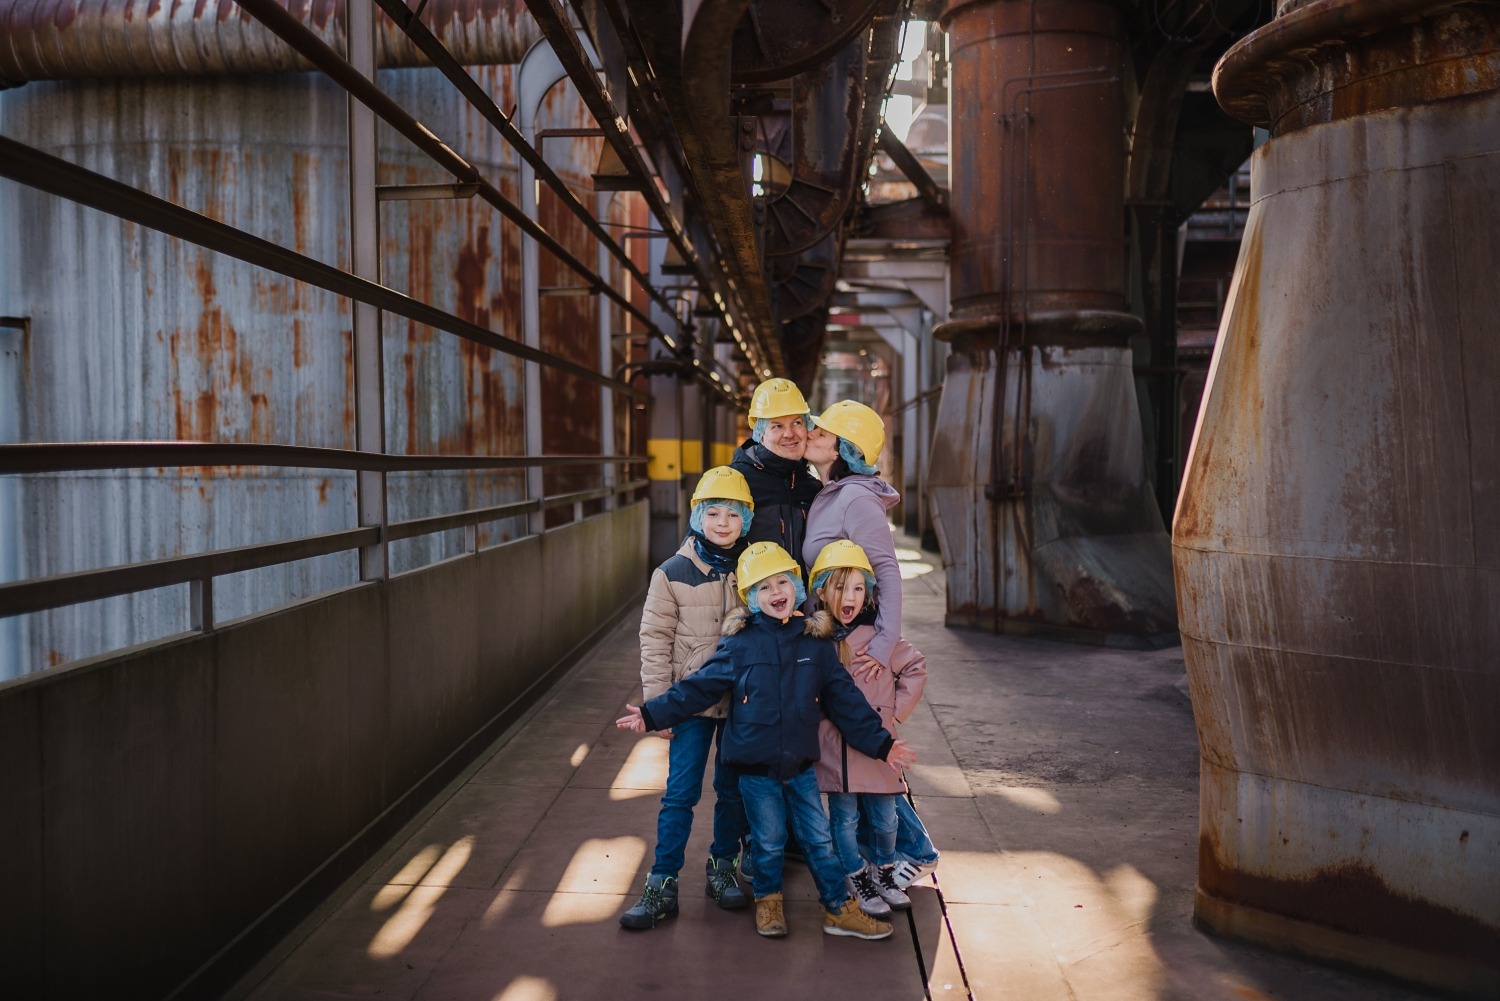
x: 844, y: 446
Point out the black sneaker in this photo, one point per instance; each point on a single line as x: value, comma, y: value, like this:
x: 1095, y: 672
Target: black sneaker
x: 722, y: 885
x: 658, y: 903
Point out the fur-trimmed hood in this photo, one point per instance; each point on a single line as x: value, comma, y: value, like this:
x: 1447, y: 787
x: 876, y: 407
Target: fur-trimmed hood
x: 819, y: 624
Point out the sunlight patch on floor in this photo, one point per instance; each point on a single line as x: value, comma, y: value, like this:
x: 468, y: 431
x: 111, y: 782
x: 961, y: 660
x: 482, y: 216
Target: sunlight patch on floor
x: 401, y: 927
x: 644, y: 772
x: 411, y: 874
x: 599, y: 871
x: 528, y: 989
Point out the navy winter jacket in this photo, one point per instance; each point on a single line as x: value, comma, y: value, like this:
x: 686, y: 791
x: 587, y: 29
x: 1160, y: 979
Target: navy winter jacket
x: 784, y: 678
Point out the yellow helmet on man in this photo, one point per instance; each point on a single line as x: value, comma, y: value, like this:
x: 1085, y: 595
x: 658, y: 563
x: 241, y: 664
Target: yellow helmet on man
x: 759, y: 561
x: 776, y: 398
x: 723, y: 483
x: 856, y: 423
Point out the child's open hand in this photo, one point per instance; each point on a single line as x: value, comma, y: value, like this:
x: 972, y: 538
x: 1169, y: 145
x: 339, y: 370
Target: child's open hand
x: 900, y: 756
x: 633, y: 722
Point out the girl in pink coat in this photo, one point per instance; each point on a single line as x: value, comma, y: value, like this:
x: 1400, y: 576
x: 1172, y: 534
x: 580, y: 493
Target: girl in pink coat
x: 844, y: 584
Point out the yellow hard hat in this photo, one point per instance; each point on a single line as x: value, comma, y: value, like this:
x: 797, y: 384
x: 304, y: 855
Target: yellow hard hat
x: 776, y: 398
x: 762, y: 560
x: 857, y: 423
x: 723, y: 483
x: 841, y: 553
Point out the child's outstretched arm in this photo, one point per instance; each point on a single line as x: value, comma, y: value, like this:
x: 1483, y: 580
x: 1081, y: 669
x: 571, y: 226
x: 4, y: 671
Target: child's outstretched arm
x: 632, y: 720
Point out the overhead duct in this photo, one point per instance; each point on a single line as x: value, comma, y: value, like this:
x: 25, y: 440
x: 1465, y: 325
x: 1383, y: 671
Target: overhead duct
x: 69, y: 39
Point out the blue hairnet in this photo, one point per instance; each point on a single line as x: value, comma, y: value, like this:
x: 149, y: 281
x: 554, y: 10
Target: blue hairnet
x: 822, y: 580
x: 695, y: 520
x: 765, y: 422
x: 851, y: 454
x: 797, y: 602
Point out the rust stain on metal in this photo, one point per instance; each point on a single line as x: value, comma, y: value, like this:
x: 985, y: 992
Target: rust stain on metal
x: 1351, y: 898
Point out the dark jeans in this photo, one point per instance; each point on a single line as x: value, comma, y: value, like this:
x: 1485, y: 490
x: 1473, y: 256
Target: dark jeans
x: 769, y: 804
x: 912, y: 840
x: 687, y: 757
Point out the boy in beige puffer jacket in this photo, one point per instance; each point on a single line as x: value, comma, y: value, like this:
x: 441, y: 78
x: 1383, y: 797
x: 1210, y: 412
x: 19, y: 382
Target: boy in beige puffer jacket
x: 689, y: 597
x: 844, y: 583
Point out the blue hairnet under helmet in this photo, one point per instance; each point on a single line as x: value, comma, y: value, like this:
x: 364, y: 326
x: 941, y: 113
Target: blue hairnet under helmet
x: 695, y: 520
x: 822, y: 580
x: 850, y: 453
x: 752, y: 599
x: 760, y: 426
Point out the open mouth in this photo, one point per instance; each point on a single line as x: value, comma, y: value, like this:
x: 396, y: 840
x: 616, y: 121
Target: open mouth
x: 779, y: 605
x: 847, y: 612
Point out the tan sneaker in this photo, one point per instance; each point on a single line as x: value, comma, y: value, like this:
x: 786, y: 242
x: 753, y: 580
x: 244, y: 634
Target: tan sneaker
x: 770, y: 919
x: 850, y: 920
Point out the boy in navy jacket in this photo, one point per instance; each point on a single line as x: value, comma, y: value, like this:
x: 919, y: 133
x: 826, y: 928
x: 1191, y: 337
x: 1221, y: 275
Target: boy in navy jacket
x: 783, y: 672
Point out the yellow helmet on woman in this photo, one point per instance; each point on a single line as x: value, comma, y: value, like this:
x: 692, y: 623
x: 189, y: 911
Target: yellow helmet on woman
x: 776, y: 398
x: 723, y: 483
x: 759, y: 561
x: 841, y: 553
x: 857, y: 423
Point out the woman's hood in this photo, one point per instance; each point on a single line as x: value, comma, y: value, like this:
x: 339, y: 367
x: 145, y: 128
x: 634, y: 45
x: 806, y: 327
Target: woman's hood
x: 882, y: 491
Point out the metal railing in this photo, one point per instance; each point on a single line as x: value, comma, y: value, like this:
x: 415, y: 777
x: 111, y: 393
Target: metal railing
x: 199, y: 569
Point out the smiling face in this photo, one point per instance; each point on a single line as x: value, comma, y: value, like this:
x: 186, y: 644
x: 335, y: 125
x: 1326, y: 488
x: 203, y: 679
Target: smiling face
x: 822, y: 447
x: 777, y: 596
x: 845, y: 594
x: 722, y: 524
x: 786, y: 436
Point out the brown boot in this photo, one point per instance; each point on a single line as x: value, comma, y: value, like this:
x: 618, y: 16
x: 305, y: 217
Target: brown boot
x: 850, y: 920
x: 770, y: 920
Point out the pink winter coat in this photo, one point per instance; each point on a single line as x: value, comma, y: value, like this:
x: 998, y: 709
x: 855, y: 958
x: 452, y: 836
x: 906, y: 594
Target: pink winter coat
x: 894, y: 695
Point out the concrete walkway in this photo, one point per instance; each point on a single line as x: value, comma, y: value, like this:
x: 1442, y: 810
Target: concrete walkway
x: 1059, y: 781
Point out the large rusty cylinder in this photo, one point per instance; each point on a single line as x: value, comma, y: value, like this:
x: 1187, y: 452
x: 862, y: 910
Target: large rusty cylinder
x: 1040, y: 503
x: 1038, y: 164
x: 1335, y: 59
x: 72, y: 39
x: 1336, y: 550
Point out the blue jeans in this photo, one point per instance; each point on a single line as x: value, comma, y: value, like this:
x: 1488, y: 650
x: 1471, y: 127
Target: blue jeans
x: 912, y: 841
x: 687, y: 757
x: 846, y: 810
x: 768, y: 804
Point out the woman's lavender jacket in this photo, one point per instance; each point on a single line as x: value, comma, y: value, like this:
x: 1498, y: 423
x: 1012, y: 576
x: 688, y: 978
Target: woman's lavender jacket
x: 855, y: 508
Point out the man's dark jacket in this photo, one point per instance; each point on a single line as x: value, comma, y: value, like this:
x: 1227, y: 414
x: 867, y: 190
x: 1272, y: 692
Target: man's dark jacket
x: 785, y: 677
x: 783, y: 490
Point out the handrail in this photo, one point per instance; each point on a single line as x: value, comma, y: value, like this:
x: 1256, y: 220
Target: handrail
x: 43, y: 593
x: 45, y: 172
x: 60, y: 590
x: 56, y: 457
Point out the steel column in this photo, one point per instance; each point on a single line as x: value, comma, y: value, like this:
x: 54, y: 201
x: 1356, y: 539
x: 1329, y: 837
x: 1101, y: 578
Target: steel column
x: 364, y: 244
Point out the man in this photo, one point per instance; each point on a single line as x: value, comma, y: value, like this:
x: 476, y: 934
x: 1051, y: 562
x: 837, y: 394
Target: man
x: 771, y: 460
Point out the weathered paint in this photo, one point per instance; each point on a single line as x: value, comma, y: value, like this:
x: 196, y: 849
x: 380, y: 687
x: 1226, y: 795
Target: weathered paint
x: 1337, y: 561
x: 157, y: 339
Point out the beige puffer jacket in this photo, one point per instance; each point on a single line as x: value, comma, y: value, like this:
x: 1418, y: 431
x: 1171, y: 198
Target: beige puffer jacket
x: 682, y: 620
x: 894, y: 695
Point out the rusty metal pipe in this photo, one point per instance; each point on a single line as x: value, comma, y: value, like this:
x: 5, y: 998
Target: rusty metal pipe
x: 65, y: 39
